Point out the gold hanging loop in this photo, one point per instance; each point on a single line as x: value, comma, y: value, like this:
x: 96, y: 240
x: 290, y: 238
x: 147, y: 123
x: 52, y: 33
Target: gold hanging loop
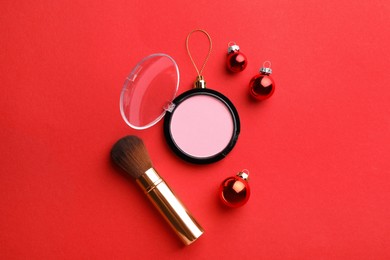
x: 199, y: 83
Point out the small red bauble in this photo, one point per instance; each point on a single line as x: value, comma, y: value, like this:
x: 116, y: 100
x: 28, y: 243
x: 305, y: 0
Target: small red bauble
x: 262, y: 86
x: 234, y: 191
x: 236, y: 61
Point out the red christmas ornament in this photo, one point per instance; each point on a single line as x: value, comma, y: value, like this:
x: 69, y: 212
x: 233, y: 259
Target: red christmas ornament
x: 236, y: 61
x: 234, y: 191
x: 262, y: 86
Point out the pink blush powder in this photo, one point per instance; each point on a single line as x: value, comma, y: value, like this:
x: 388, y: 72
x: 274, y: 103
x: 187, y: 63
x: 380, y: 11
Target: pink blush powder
x: 202, y: 126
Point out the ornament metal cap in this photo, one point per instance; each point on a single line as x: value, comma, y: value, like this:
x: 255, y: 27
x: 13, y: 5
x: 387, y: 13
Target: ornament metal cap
x: 200, y: 82
x: 244, y: 174
x: 232, y: 46
x: 266, y: 69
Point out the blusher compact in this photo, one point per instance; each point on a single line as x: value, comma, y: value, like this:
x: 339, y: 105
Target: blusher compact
x: 200, y: 125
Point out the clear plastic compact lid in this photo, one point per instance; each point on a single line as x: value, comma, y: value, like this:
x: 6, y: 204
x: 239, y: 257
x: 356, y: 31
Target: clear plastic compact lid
x: 149, y: 90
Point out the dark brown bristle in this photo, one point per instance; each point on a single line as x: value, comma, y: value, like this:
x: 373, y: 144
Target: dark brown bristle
x: 130, y: 154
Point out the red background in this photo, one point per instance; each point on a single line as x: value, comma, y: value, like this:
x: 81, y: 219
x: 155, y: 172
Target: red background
x: 317, y: 150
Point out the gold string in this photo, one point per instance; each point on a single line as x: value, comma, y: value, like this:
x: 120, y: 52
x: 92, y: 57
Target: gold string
x: 208, y: 54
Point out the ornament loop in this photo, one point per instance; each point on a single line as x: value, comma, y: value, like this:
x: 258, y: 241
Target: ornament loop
x: 267, y: 62
x: 231, y: 43
x: 208, y: 54
x: 245, y: 171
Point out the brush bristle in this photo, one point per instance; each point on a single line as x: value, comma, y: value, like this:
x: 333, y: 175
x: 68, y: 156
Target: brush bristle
x: 130, y: 154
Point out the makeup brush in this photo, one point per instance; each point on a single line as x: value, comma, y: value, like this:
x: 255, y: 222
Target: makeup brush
x: 130, y: 154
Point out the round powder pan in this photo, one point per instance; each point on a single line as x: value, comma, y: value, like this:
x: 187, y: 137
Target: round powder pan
x: 201, y: 125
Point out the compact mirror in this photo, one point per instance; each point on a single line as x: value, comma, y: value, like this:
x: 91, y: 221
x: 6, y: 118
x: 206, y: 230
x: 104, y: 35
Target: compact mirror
x: 148, y: 90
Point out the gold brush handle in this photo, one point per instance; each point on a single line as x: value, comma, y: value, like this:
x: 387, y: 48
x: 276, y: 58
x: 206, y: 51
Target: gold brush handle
x: 170, y: 207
